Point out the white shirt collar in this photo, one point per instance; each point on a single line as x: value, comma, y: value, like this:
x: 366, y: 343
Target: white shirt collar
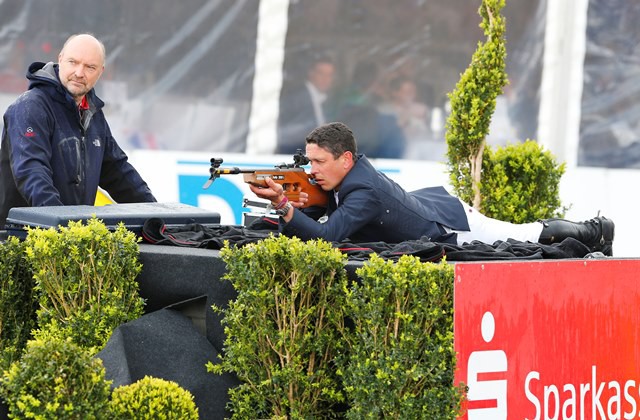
x: 317, y: 99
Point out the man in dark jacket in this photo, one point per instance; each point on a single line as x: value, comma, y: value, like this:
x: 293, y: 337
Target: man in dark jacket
x: 366, y: 206
x: 303, y: 106
x: 57, y: 148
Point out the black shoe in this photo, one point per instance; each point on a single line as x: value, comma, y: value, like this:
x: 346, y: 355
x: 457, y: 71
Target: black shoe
x: 596, y: 233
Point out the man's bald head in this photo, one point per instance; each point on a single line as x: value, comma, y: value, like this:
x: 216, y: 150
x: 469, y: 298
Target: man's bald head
x: 81, y: 63
x: 86, y: 40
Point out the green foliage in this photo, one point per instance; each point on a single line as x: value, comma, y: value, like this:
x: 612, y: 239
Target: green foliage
x: 282, y: 331
x: 520, y: 183
x: 18, y: 302
x: 86, y: 276
x: 153, y: 399
x: 517, y: 183
x: 401, y: 360
x: 56, y: 379
x: 473, y: 102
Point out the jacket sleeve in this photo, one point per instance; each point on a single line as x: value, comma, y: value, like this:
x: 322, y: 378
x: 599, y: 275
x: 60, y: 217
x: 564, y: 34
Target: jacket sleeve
x: 119, y: 178
x: 27, y: 125
x: 358, y: 208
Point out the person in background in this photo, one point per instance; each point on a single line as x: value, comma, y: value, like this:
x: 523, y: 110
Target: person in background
x: 367, y: 206
x: 412, y: 116
x: 303, y: 106
x: 57, y: 147
x: 379, y: 135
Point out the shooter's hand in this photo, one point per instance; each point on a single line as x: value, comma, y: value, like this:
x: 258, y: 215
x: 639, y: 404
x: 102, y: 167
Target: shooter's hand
x: 275, y: 193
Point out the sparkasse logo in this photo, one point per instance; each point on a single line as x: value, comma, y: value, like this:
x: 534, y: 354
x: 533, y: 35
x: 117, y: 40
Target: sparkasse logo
x: 487, y: 395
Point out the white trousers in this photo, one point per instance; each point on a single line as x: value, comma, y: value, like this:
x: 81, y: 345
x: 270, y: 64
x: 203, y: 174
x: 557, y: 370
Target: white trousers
x: 488, y: 230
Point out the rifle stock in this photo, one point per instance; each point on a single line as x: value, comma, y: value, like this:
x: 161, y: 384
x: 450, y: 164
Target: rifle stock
x: 292, y: 177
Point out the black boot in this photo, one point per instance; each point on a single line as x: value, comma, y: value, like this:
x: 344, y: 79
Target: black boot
x: 596, y: 233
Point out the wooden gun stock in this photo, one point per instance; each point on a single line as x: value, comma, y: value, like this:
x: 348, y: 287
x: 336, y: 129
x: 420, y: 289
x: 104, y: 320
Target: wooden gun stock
x: 293, y: 181
x: 292, y: 177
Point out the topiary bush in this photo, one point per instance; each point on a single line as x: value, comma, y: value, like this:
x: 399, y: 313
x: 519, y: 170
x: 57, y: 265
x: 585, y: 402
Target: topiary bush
x: 401, y: 360
x: 18, y: 302
x: 153, y: 399
x: 520, y: 183
x: 473, y: 102
x: 56, y: 379
x: 283, y: 330
x: 86, y: 276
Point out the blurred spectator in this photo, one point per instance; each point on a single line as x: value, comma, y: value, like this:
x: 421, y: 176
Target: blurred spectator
x: 303, y: 106
x: 412, y: 116
x: 379, y: 135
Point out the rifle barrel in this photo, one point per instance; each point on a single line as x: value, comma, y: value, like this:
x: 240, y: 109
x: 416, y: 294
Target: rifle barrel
x: 234, y: 171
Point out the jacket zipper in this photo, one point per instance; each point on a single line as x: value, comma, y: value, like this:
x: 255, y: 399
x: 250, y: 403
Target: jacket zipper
x: 79, y: 153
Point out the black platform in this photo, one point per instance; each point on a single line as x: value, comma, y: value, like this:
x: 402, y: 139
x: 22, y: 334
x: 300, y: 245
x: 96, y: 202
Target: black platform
x: 133, y: 215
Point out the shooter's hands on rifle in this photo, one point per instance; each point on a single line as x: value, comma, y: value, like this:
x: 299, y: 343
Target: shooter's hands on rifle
x: 275, y: 193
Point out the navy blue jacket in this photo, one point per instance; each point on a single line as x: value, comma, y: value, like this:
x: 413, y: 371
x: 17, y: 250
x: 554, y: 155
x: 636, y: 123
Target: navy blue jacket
x: 50, y: 156
x: 373, y: 208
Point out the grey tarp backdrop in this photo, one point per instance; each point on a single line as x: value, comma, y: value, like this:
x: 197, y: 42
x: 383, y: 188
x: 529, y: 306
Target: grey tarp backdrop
x: 180, y: 76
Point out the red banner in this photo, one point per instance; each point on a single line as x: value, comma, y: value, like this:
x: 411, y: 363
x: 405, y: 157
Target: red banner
x: 549, y: 339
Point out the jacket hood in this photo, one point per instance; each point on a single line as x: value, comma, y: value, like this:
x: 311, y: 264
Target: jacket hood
x: 43, y: 73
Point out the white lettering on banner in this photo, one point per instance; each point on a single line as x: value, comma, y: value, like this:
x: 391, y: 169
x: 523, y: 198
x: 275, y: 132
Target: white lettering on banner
x: 552, y: 398
x: 488, y: 361
x: 629, y: 398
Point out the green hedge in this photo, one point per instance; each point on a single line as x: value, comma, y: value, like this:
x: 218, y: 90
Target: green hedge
x: 153, y: 399
x: 520, y: 183
x: 18, y: 302
x: 304, y: 340
x: 73, y: 286
x: 306, y: 343
x: 86, y: 279
x: 283, y: 330
x: 56, y: 379
x: 401, y: 360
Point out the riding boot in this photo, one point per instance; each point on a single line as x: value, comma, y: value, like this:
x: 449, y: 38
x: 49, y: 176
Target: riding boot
x: 596, y: 233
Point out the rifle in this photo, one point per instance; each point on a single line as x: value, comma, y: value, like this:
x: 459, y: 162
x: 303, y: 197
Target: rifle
x: 292, y: 177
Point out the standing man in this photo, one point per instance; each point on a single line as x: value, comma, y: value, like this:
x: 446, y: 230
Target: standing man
x: 366, y: 206
x: 57, y: 147
x: 303, y: 107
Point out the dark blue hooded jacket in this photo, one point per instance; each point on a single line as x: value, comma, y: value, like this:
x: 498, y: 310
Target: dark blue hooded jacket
x: 52, y: 156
